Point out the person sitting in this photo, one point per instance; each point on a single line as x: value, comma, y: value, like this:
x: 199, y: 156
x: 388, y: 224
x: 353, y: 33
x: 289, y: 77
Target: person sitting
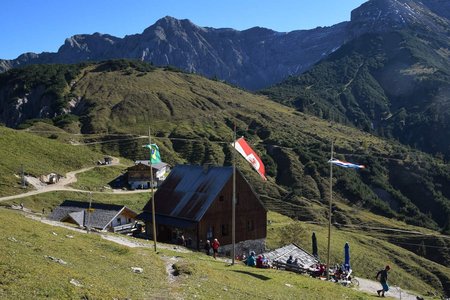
x: 251, y: 262
x: 321, y: 271
x: 290, y: 260
x: 259, y: 261
x: 338, y: 274
x: 265, y: 262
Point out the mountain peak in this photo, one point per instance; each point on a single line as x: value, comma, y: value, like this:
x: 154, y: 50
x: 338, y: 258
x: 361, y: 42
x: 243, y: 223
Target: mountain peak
x: 174, y: 23
x: 388, y: 15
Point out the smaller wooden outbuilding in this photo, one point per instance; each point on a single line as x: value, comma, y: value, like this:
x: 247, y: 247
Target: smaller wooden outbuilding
x: 109, y: 217
x: 138, y: 176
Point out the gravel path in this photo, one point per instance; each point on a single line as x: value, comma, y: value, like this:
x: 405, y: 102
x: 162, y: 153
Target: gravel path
x: 63, y: 185
x: 371, y: 286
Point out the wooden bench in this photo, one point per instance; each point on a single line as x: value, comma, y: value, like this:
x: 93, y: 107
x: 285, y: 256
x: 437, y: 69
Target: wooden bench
x: 288, y: 267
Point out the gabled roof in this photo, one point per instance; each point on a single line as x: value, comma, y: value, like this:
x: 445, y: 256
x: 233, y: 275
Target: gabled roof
x: 100, y: 217
x: 282, y: 254
x: 189, y: 191
x: 78, y: 217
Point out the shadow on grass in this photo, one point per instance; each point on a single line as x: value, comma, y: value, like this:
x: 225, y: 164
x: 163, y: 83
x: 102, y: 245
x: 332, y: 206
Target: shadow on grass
x: 258, y: 276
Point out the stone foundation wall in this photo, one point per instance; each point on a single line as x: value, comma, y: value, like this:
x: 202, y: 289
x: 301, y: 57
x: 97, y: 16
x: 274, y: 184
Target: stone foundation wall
x: 244, y: 247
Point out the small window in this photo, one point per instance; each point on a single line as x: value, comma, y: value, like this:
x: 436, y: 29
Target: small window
x: 237, y: 198
x: 210, y: 233
x: 250, y: 225
x: 129, y: 220
x: 221, y: 198
x: 119, y: 221
x: 225, y: 230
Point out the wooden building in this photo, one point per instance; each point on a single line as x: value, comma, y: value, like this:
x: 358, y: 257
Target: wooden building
x: 139, y: 174
x: 196, y: 202
x: 101, y: 216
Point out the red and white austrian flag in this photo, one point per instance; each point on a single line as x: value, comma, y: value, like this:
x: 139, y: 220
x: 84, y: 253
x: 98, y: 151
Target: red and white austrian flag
x: 250, y: 155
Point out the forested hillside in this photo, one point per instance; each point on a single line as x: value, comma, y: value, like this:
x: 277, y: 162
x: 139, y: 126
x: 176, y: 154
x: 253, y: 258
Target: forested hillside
x: 192, y: 120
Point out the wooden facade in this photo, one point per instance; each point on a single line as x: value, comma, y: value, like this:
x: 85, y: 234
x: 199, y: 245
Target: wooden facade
x: 197, y: 204
x: 251, y: 216
x: 139, y: 175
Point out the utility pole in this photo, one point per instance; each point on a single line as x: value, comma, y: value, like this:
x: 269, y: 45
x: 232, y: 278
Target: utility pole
x: 233, y: 204
x: 22, y: 175
x: 153, y: 192
x: 329, y: 211
x: 88, y: 227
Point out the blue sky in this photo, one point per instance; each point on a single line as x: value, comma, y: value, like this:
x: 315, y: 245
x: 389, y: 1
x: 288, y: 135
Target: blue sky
x: 43, y: 25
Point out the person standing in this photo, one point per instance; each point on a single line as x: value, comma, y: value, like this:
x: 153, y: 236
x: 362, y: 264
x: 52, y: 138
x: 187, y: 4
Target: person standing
x: 207, y: 247
x: 215, y: 245
x: 383, y: 276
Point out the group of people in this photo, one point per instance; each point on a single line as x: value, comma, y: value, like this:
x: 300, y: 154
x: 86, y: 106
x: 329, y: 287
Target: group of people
x: 214, y: 246
x: 317, y: 270
x: 260, y: 262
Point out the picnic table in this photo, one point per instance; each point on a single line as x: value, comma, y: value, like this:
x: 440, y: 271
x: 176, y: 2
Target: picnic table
x: 288, y: 267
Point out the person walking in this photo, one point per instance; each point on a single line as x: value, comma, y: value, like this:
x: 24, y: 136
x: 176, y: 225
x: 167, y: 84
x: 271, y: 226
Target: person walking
x: 383, y: 276
x: 215, y: 245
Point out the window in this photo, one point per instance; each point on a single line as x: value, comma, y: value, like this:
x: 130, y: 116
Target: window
x: 250, y: 225
x: 210, y: 233
x: 221, y: 198
x: 119, y: 221
x: 225, y: 230
x: 237, y: 198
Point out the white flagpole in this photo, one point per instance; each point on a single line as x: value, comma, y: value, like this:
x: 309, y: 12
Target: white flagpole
x: 329, y: 212
x: 153, y: 191
x: 233, y: 205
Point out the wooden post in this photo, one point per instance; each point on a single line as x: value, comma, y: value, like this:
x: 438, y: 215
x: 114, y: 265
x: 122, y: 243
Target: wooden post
x: 233, y: 204
x: 153, y: 192
x: 329, y: 212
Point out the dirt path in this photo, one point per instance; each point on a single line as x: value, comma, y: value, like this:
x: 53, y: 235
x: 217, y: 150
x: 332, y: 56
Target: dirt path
x: 63, y: 184
x: 371, y: 286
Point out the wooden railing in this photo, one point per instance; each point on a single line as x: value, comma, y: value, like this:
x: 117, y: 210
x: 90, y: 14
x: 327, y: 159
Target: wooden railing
x: 123, y: 227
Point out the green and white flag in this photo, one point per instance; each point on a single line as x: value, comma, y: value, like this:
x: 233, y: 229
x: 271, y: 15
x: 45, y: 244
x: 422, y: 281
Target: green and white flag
x: 155, y: 157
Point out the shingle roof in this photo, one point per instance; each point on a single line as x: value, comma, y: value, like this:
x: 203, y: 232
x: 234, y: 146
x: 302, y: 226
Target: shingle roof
x: 188, y: 191
x: 101, y: 215
x: 305, y: 259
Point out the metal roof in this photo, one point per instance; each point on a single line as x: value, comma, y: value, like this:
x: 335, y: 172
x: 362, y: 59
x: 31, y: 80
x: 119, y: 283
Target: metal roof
x: 188, y: 191
x: 78, y: 217
x: 101, y: 215
x: 305, y: 259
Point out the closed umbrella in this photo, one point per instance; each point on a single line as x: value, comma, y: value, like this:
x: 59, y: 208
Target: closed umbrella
x: 347, y: 256
x: 314, y: 245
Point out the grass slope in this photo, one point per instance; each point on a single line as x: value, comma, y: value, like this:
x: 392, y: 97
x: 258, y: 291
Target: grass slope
x: 38, y: 156
x: 104, y: 269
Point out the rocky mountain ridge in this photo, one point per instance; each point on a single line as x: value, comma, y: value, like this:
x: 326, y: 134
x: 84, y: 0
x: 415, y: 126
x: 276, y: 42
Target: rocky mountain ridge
x: 254, y: 58
x: 251, y: 58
